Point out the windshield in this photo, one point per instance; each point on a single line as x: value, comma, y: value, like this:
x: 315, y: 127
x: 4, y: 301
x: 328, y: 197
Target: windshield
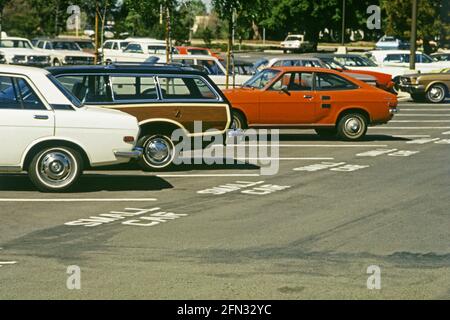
x: 294, y: 38
x: 261, y: 80
x: 86, y: 45
x: 74, y: 100
x: 6, y: 43
x: 260, y: 64
x: 66, y: 45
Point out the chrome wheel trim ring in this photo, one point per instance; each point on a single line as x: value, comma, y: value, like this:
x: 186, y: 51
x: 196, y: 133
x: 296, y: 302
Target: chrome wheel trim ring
x: 236, y: 124
x: 354, y: 126
x: 56, y: 168
x: 159, y: 151
x: 436, y: 93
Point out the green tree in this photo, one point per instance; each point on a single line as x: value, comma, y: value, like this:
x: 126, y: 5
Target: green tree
x: 398, y: 19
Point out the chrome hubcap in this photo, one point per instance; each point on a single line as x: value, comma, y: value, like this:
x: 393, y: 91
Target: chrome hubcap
x: 353, y: 126
x: 436, y: 93
x: 158, y: 150
x: 56, y: 167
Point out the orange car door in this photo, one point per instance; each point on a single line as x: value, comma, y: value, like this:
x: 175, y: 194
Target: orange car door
x: 289, y: 101
x: 333, y: 93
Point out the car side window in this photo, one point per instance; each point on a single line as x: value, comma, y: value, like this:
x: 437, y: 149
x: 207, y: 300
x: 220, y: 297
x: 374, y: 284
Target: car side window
x: 134, y: 48
x: 30, y: 100
x: 48, y: 46
x: 16, y: 93
x: 77, y: 85
x: 8, y: 95
x: 294, y: 81
x: 134, y: 88
x: 328, y: 81
x: 211, y: 67
x: 174, y: 88
x: 107, y: 45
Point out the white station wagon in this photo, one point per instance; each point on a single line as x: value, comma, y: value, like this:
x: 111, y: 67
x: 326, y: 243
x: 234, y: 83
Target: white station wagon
x: 47, y: 132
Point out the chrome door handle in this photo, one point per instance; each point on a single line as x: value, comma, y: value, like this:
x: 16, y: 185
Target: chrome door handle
x: 40, y: 117
x: 307, y: 97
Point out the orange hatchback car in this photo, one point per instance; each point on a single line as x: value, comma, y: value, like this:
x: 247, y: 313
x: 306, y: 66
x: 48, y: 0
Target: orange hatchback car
x: 328, y: 101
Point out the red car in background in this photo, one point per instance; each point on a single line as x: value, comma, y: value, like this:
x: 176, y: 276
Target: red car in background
x: 198, y: 51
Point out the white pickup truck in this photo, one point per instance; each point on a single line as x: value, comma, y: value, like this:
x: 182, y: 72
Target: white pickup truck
x: 47, y: 132
x: 296, y: 43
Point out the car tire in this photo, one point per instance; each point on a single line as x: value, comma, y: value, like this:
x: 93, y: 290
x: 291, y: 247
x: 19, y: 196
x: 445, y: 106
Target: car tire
x: 436, y: 93
x: 326, y: 132
x: 238, y: 121
x: 159, y: 152
x: 56, y: 63
x: 418, y: 97
x: 55, y: 169
x: 352, y: 126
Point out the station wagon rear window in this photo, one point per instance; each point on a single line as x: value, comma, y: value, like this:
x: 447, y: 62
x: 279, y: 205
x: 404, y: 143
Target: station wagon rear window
x: 134, y: 88
x: 175, y: 88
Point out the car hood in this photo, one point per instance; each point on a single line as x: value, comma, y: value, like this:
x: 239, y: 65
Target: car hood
x: 238, y: 95
x: 111, y: 118
x: 361, y: 76
x: 74, y: 53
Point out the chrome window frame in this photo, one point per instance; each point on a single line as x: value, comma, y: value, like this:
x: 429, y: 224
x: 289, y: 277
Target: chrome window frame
x: 160, y: 98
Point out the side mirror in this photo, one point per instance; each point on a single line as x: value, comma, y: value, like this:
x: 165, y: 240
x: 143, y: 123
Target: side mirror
x: 285, y: 89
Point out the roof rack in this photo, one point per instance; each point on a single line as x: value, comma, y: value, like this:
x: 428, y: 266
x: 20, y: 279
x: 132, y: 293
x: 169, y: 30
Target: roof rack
x: 150, y: 64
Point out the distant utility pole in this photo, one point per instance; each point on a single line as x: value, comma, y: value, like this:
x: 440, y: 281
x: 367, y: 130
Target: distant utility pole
x: 343, y: 23
x: 168, y: 35
x: 412, y: 59
x: 96, y: 32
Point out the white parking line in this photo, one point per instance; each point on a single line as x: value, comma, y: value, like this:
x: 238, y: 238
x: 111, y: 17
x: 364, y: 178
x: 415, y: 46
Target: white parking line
x: 79, y: 200
x: 283, y: 159
x: 310, y: 145
x: 7, y: 262
x: 206, y: 175
x: 411, y: 136
x: 446, y: 110
x: 407, y: 128
x: 448, y: 132
x: 417, y: 121
x: 422, y: 115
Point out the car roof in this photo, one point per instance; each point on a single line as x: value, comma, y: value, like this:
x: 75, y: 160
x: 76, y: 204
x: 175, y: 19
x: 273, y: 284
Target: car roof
x: 304, y: 69
x: 14, y: 38
x: 292, y: 57
x: 22, y: 70
x: 127, y: 68
x: 194, y: 56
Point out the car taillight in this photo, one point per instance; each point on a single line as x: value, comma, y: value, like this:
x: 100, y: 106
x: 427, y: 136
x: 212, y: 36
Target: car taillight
x: 128, y: 139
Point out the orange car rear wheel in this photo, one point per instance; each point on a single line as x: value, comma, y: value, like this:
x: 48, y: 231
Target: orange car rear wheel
x: 352, y: 126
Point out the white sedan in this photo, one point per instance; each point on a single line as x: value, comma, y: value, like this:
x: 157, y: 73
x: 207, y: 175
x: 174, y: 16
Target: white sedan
x: 47, y: 132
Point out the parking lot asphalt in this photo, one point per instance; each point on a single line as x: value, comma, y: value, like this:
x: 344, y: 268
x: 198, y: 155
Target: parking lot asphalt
x: 228, y: 232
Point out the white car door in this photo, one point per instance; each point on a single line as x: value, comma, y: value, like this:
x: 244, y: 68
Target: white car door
x: 24, y: 118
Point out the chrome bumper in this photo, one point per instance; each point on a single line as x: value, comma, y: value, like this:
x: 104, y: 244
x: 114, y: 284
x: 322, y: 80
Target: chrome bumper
x: 134, y: 154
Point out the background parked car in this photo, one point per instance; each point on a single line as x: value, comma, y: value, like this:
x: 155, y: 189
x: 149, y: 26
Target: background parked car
x: 391, y: 43
x: 112, y: 49
x: 21, y: 52
x: 65, y: 52
x: 431, y: 87
x: 445, y: 56
x: 297, y: 43
x: 197, y: 51
x: 47, y: 132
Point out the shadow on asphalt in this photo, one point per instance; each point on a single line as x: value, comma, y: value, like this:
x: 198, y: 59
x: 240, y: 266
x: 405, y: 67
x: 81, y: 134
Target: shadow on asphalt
x: 314, y: 137
x: 92, y: 183
x: 223, y: 164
